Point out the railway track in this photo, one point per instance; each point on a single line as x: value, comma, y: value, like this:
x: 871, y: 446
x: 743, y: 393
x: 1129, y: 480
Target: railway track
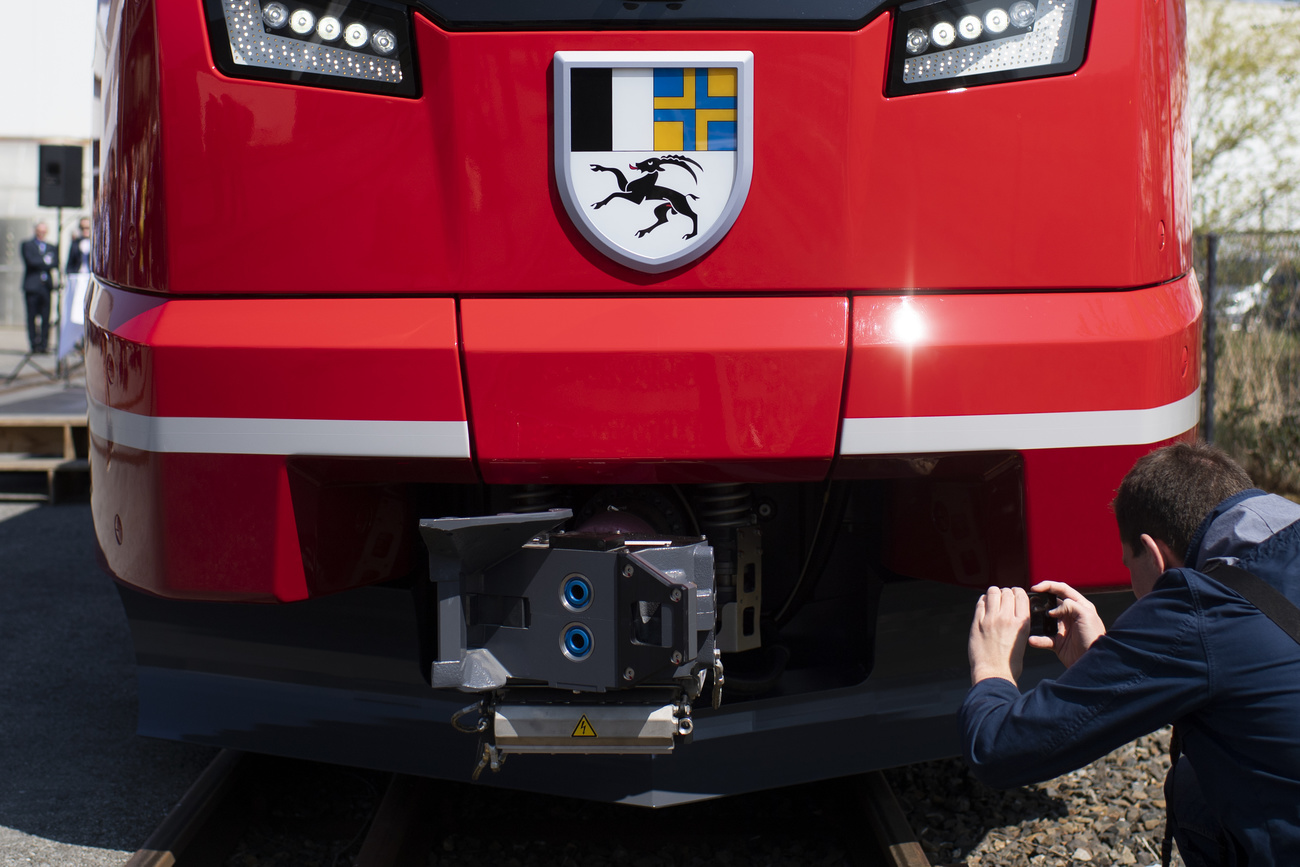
x: 255, y: 810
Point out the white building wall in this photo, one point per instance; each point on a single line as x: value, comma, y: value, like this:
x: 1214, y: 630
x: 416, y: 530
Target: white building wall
x: 46, y: 97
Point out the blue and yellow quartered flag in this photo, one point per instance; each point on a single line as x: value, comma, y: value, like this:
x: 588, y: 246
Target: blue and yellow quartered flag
x: 656, y: 109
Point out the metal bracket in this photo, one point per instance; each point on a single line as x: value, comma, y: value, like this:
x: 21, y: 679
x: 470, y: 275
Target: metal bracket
x: 719, y: 678
x: 491, y: 758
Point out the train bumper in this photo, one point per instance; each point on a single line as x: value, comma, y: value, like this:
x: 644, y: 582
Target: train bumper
x: 261, y: 449
x: 319, y: 679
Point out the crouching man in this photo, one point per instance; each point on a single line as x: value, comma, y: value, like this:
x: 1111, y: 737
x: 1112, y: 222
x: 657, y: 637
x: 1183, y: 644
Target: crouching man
x: 1190, y: 651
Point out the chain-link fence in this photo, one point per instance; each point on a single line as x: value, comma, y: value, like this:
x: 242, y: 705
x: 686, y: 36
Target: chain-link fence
x: 1252, y: 351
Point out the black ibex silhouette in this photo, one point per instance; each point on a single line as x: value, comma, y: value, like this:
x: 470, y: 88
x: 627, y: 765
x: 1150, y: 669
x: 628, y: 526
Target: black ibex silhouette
x: 647, y: 187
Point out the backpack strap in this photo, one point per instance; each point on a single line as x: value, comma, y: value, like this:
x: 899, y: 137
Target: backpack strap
x: 1167, y: 844
x: 1261, y: 594
x: 1273, y: 605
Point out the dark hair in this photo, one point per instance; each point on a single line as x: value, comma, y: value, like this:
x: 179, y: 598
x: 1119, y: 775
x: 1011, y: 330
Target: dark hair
x: 1169, y: 492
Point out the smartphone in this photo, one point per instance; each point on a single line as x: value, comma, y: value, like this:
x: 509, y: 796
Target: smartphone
x: 1039, y: 621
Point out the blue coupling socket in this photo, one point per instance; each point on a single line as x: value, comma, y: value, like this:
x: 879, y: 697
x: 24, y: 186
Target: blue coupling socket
x: 577, y: 642
x: 577, y: 592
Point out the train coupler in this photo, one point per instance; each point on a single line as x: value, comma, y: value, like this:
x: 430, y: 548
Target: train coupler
x: 521, y: 604
x: 578, y: 643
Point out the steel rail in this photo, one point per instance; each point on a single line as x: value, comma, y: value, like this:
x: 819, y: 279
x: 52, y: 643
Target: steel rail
x: 168, y: 844
x: 401, y: 824
x: 872, y: 798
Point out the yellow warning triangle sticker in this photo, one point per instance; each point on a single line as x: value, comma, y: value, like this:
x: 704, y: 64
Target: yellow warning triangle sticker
x: 584, y: 729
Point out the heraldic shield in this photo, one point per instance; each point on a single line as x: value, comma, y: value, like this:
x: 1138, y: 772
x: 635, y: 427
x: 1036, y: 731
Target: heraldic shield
x: 654, y: 150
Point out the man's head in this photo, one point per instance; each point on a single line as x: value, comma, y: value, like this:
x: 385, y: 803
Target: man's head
x: 41, y: 231
x: 1169, y: 492
x: 84, y: 226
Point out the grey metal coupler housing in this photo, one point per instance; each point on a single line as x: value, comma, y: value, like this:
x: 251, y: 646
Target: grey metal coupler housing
x: 620, y: 729
x: 589, y: 612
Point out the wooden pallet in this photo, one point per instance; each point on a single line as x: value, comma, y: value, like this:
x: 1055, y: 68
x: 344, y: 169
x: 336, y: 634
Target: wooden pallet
x: 52, y: 444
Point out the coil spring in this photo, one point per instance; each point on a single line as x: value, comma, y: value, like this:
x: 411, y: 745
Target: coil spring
x: 535, y: 498
x: 722, y: 505
x: 721, y: 508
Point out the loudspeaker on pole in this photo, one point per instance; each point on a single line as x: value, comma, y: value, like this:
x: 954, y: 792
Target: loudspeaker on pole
x: 60, y: 176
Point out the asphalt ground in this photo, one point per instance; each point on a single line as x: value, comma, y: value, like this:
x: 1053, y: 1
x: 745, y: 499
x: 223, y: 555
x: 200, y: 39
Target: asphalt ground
x: 77, y: 785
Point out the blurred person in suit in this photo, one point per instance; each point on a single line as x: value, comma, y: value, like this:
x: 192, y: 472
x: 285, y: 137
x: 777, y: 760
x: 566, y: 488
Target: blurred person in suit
x: 72, y: 316
x: 79, y: 250
x: 40, y: 260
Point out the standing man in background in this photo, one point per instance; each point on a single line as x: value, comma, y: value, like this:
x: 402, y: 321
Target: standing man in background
x: 40, y: 260
x: 79, y: 250
x: 72, y: 318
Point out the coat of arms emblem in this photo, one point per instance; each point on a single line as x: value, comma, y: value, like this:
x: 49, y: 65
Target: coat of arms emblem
x: 653, y: 150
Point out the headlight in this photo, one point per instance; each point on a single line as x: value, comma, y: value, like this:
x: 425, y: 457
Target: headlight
x: 948, y: 44
x: 364, y: 46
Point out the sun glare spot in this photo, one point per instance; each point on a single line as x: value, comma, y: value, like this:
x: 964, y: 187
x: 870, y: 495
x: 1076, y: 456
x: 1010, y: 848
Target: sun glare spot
x: 907, y: 324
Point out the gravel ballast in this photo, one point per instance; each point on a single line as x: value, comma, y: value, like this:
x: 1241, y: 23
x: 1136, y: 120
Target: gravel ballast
x: 1111, y: 812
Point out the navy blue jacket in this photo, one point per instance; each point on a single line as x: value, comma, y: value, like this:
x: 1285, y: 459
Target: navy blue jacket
x: 1192, y: 652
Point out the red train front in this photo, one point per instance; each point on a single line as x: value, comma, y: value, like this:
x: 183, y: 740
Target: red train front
x: 645, y: 388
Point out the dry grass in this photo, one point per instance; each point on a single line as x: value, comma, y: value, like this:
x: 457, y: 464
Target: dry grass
x: 1257, y: 404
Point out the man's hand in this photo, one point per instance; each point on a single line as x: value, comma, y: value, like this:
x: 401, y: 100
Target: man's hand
x: 1077, y: 623
x: 998, y: 634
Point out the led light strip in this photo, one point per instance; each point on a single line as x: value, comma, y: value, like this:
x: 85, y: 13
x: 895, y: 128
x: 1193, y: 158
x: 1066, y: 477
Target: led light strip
x: 1019, y: 431
x: 251, y: 45
x: 280, y: 436
x: 1045, y: 45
